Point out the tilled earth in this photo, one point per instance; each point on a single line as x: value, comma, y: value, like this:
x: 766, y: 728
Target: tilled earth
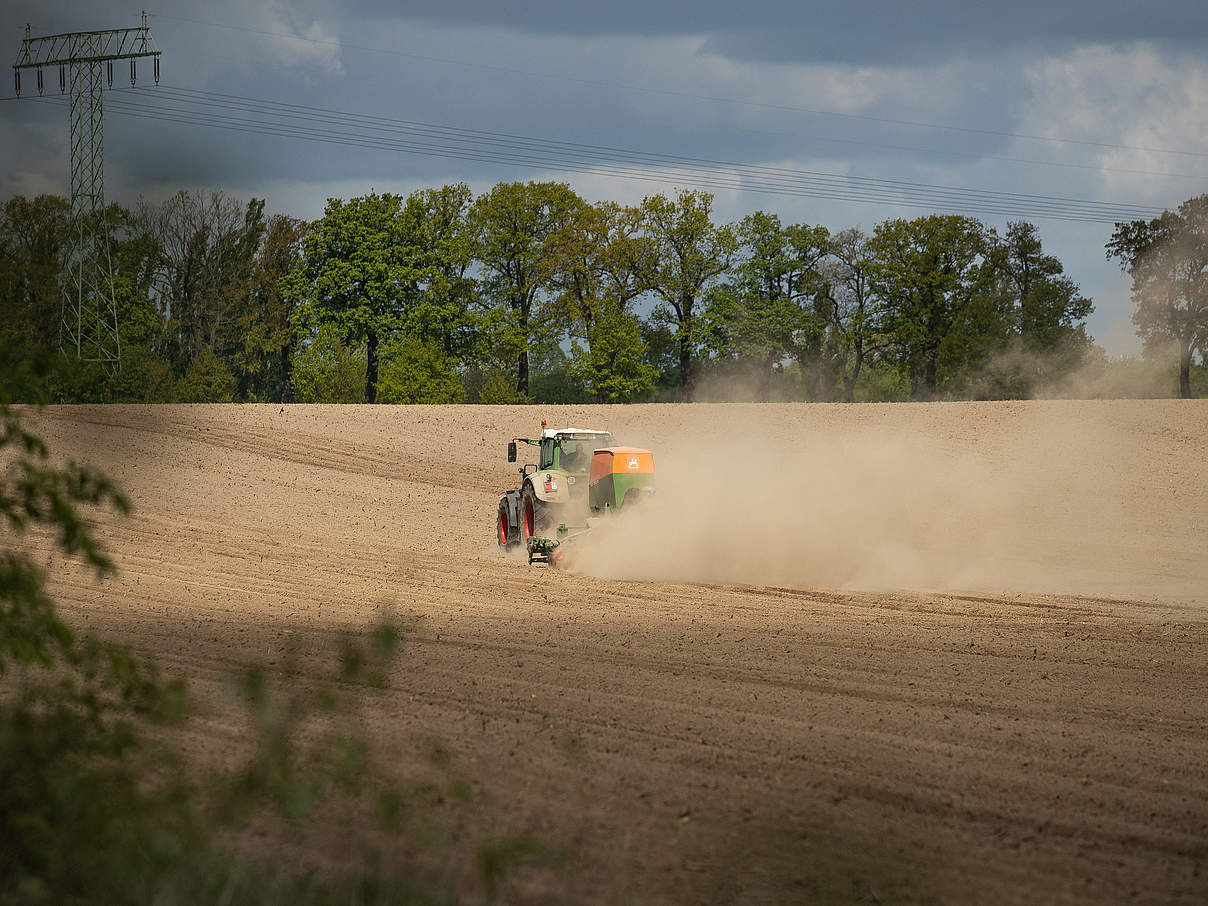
x: 686, y: 741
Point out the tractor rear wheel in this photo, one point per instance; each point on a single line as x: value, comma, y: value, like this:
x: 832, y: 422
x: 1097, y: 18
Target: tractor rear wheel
x: 503, y: 527
x: 532, y: 514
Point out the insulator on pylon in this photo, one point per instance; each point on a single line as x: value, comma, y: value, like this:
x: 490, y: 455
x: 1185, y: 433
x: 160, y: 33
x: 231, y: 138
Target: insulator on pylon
x: 17, y: 82
x: 157, y: 70
x: 132, y: 74
x: 62, y: 80
x: 39, y: 81
x: 109, y: 72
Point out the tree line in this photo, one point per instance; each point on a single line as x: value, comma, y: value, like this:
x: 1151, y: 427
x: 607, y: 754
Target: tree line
x: 530, y: 293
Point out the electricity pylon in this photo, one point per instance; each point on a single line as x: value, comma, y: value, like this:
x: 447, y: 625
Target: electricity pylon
x: 88, y: 326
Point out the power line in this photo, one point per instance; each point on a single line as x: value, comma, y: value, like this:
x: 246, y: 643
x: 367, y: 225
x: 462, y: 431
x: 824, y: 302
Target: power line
x: 261, y: 108
x: 280, y: 108
x: 562, y: 77
x: 271, y: 117
x: 723, y: 182
x: 974, y: 155
x: 295, y: 121
x: 948, y: 153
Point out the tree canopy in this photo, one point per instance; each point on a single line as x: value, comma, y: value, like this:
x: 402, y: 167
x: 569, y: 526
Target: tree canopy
x: 514, y: 227
x: 690, y: 253
x: 528, y: 292
x: 1167, y: 259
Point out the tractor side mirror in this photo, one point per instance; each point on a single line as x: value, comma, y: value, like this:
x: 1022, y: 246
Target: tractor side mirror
x: 512, y: 451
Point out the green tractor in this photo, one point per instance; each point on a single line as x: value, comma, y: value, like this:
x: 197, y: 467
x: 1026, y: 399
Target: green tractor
x: 579, y: 473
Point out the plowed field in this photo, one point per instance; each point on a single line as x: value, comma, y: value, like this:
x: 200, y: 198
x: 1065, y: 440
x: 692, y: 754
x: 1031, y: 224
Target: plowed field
x: 947, y: 653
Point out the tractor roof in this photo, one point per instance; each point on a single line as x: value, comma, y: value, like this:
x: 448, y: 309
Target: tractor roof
x: 622, y: 450
x: 554, y: 432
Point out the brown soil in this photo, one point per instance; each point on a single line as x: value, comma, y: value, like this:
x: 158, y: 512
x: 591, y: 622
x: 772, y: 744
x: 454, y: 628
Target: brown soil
x: 948, y: 653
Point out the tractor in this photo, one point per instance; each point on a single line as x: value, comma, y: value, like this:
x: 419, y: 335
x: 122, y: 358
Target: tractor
x: 579, y: 473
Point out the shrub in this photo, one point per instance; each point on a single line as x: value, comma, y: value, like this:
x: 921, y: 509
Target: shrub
x: 327, y: 371
x: 414, y: 371
x: 206, y: 380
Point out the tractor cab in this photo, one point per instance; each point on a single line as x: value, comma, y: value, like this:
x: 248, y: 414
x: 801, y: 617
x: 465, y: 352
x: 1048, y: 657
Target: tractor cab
x: 570, y: 449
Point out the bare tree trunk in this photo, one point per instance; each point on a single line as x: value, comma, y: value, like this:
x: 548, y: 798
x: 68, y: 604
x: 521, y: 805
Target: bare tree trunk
x: 687, y: 378
x: 849, y: 381
x: 522, y: 374
x: 930, y: 377
x: 371, y: 368
x: 1185, y: 372
x: 287, y: 374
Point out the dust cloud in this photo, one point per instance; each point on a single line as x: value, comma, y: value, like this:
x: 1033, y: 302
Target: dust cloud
x: 1060, y: 497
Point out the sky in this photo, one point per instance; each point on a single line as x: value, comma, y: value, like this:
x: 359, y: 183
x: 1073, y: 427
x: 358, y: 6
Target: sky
x: 1097, y: 101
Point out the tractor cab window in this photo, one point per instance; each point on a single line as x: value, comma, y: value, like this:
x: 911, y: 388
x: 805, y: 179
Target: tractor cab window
x: 547, y: 453
x: 575, y: 457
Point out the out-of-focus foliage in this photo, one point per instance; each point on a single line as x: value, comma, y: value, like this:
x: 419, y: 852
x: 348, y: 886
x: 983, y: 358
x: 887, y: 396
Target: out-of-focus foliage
x: 88, y: 811
x: 99, y: 806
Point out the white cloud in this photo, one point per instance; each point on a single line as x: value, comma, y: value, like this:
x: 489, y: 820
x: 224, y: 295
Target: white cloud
x: 1126, y: 96
x: 311, y: 45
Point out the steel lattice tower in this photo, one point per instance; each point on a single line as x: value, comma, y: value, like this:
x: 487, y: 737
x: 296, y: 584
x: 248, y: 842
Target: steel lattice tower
x: 89, y: 326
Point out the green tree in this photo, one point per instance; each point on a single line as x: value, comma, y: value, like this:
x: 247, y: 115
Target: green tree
x: 266, y: 334
x: 853, y: 318
x: 599, y: 261
x: 204, y: 253
x: 575, y: 268
x: 599, y: 256
x: 513, y: 227
x: 662, y: 354
x: 630, y: 256
x: 497, y: 389
x: 361, y: 272
x: 766, y: 312
x: 1044, y: 311
x: 691, y: 251
x: 97, y: 806
x: 143, y: 378
x: 1048, y: 304
x: 206, y: 380
x: 614, y: 368
x: 443, y: 312
x: 135, y: 258
x: 34, y: 234
x: 936, y: 286
x: 415, y: 370
x: 327, y: 371
x: 1167, y: 259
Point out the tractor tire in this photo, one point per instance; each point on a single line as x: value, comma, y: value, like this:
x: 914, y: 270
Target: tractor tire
x: 533, y: 517
x: 503, y: 528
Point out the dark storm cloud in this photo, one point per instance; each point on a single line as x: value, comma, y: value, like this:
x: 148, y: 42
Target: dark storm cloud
x: 884, y: 31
